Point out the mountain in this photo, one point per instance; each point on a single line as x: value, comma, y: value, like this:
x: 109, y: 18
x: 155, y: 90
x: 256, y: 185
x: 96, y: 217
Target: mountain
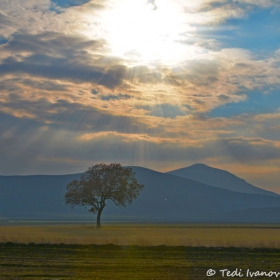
x: 170, y: 198
x: 218, y: 178
x: 165, y: 198
x: 33, y: 196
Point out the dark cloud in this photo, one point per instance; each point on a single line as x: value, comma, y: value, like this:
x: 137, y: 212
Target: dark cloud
x: 249, y: 149
x: 223, y: 97
x: 51, y: 44
x: 211, y: 79
x: 5, y: 21
x: 235, y: 149
x: 36, y: 146
x: 71, y: 116
x: 59, y: 68
x: 208, y: 5
x: 27, y: 145
x: 164, y: 110
x: 115, y: 97
x: 242, y: 65
x: 44, y: 85
x: 199, y: 101
x: 56, y: 56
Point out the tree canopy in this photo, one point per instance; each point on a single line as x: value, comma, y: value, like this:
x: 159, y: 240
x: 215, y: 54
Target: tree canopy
x: 100, y: 183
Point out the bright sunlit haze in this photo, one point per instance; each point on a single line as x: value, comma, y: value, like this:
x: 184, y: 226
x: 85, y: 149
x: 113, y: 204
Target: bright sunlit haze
x: 146, y: 32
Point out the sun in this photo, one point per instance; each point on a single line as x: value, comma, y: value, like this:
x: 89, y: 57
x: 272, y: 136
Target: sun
x: 147, y: 31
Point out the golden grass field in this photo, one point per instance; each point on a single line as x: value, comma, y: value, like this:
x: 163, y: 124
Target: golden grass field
x: 250, y: 236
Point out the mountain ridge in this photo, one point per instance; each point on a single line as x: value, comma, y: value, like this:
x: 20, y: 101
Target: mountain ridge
x: 219, y: 178
x: 165, y: 198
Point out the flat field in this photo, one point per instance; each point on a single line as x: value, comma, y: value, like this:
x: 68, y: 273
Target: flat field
x: 249, y: 236
x: 139, y: 251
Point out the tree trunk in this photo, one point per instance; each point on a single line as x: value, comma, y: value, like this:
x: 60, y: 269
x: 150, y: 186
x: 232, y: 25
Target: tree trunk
x: 98, y: 224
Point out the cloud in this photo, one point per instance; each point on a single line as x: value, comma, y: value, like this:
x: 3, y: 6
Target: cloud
x: 250, y: 149
x: 59, y: 69
x: 165, y: 110
x: 73, y: 116
x: 29, y: 144
x: 40, y: 16
x: 24, y: 16
x: 221, y: 14
x: 6, y: 24
x: 260, y: 3
x: 199, y: 86
x: 199, y: 82
x: 115, y: 97
x: 66, y: 102
x: 57, y: 56
x: 52, y: 44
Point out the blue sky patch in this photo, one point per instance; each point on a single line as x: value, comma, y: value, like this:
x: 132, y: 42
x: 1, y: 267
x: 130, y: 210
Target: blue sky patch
x: 68, y: 3
x: 259, y: 32
x: 3, y: 40
x: 256, y: 103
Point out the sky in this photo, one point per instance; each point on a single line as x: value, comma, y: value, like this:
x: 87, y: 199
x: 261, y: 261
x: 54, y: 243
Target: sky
x: 155, y: 83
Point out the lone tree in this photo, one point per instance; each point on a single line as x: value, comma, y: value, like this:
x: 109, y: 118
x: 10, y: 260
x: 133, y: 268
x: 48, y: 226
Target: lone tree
x: 103, y: 182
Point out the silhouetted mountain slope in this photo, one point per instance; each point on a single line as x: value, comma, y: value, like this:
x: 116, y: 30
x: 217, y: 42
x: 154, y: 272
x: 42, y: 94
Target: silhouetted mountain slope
x: 218, y: 178
x: 165, y: 198
x: 36, y: 195
x: 173, y: 198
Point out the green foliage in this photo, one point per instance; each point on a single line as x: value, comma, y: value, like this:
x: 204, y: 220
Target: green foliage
x: 103, y: 182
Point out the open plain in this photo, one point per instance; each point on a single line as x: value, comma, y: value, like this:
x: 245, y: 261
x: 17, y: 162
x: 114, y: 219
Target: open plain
x: 208, y: 235
x: 138, y: 251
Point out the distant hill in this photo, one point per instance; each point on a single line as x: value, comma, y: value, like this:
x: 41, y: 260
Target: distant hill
x: 165, y: 198
x: 37, y: 196
x: 218, y: 178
